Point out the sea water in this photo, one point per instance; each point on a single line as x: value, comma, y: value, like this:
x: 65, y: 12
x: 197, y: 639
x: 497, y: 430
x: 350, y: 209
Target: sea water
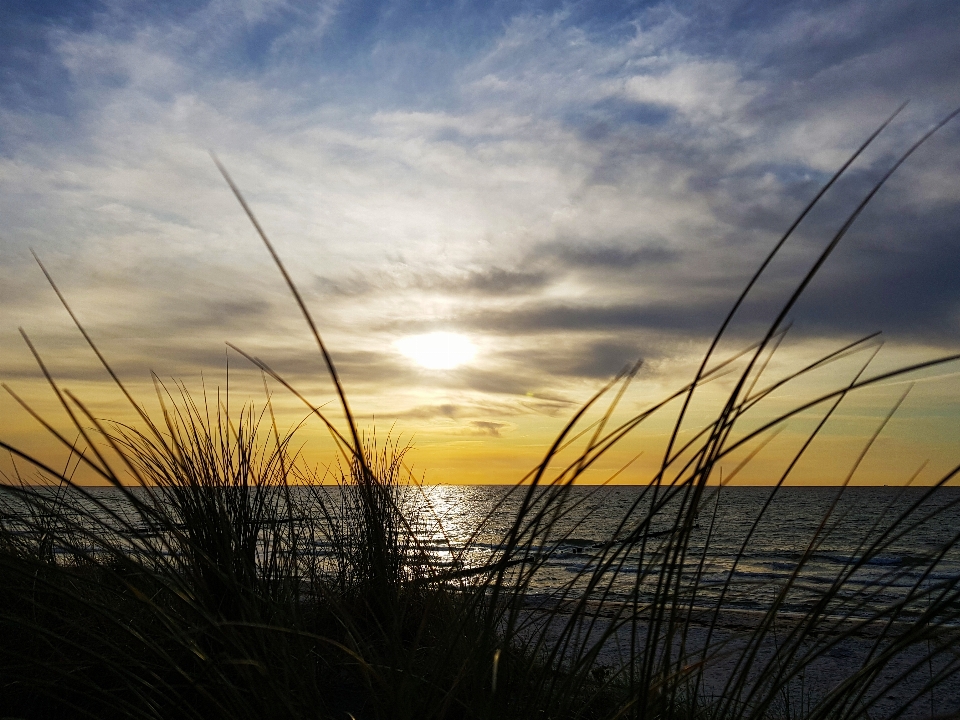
x: 747, y: 547
x: 868, y: 548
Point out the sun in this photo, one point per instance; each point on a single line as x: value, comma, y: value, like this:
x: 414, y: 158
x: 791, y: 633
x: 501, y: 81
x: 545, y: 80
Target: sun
x: 438, y: 350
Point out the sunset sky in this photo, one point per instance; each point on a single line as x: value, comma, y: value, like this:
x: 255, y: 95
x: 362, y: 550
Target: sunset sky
x: 560, y: 188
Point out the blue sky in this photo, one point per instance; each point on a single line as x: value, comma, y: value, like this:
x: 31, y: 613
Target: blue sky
x: 569, y: 185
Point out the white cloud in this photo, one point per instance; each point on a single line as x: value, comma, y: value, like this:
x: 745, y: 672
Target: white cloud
x: 703, y: 91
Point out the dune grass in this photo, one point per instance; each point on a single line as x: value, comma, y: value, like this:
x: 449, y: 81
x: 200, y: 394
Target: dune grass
x: 227, y: 582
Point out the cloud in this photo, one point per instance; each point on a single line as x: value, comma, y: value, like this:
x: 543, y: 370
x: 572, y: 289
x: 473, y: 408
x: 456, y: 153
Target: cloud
x: 425, y: 412
x: 485, y: 427
x: 489, y: 281
x: 575, y: 186
x: 702, y: 91
x: 612, y: 257
x: 552, y: 317
x: 590, y: 357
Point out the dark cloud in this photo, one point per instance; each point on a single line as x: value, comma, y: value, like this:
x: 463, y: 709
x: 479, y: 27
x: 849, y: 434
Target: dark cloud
x: 498, y: 281
x: 353, y: 287
x: 833, y: 48
x: 213, y: 313
x: 904, y: 280
x: 356, y: 368
x: 588, y: 356
x: 550, y: 317
x: 485, y: 427
x: 608, y: 256
x: 491, y: 282
x: 469, y: 412
x: 516, y: 381
x: 871, y: 38
x: 893, y: 271
x: 430, y: 412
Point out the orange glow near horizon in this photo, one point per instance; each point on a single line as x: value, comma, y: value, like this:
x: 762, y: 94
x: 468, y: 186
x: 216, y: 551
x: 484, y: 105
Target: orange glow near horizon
x: 446, y: 449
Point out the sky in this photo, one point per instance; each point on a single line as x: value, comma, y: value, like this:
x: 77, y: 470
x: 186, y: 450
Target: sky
x: 559, y: 189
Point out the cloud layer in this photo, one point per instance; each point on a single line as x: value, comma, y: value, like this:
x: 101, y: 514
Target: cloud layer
x: 576, y: 185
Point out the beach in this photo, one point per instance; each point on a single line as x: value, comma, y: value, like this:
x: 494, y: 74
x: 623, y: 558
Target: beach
x: 836, y: 649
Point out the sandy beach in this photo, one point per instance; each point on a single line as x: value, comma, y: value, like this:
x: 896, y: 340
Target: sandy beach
x: 837, y: 651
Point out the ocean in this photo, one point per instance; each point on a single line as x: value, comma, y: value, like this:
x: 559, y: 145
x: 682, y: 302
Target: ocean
x: 814, y: 538
x: 809, y: 542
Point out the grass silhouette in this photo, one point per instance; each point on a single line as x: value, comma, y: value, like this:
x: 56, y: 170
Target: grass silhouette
x: 229, y: 582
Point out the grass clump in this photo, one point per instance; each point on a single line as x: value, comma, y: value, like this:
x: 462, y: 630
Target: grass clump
x: 230, y: 581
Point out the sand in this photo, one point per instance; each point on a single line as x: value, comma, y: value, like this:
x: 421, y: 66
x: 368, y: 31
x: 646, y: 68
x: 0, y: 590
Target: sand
x: 843, y: 648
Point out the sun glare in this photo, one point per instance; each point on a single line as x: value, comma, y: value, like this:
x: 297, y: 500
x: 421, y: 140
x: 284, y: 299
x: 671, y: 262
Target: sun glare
x: 438, y: 350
